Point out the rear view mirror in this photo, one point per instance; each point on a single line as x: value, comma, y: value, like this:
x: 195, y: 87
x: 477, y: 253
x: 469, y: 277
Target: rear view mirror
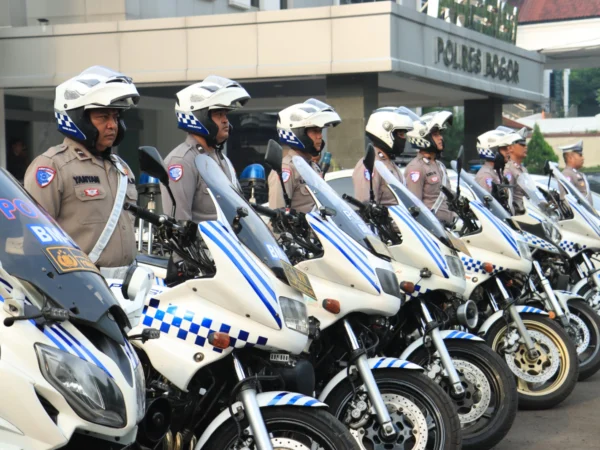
x: 369, y: 160
x: 152, y: 163
x: 274, y: 155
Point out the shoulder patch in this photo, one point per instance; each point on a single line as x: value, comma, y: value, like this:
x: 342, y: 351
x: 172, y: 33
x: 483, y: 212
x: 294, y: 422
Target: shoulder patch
x: 508, y: 176
x: 285, y: 175
x: 414, y: 176
x: 367, y: 175
x: 44, y: 176
x: 568, y: 178
x: 488, y: 181
x: 175, y: 172
x: 435, y: 179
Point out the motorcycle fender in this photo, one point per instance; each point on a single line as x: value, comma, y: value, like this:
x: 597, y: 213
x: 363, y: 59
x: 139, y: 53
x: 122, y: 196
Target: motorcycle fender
x: 374, y: 364
x: 446, y: 334
x: 265, y: 400
x: 579, y: 286
x: 564, y: 297
x: 521, y: 309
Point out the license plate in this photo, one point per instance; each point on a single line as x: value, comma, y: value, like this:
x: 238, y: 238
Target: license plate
x: 298, y: 280
x: 280, y: 357
x: 379, y: 247
x: 458, y: 244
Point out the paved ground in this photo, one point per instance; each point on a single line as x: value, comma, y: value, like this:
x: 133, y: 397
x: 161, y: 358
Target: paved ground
x: 574, y: 424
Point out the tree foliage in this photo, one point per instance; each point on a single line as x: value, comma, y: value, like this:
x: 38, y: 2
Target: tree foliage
x: 584, y: 91
x: 538, y: 152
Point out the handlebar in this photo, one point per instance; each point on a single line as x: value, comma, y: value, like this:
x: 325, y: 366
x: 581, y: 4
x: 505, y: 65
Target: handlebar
x: 148, y: 216
x: 353, y: 201
x: 270, y: 213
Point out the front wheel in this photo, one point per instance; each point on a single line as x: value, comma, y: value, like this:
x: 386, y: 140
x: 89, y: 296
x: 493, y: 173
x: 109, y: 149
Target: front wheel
x: 290, y: 428
x: 488, y: 407
x: 584, y: 331
x: 423, y: 415
x: 547, y: 380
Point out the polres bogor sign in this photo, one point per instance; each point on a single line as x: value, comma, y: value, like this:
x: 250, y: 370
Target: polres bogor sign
x: 472, y: 60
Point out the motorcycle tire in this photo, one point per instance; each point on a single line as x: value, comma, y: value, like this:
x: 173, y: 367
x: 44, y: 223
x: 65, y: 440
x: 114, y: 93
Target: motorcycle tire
x: 419, y: 408
x: 550, y: 338
x: 290, y: 427
x: 489, y: 406
x: 589, y: 358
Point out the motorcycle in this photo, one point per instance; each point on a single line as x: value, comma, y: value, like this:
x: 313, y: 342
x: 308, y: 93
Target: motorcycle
x: 230, y: 327
x: 536, y: 349
x: 70, y: 377
x: 386, y: 402
x: 425, y: 256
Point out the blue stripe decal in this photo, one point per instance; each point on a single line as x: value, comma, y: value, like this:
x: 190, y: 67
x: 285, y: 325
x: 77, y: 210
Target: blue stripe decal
x: 275, y: 399
x: 436, y: 255
x: 347, y: 242
x: 311, y: 402
x: 404, y: 364
x: 70, y: 344
x: 499, y: 225
x: 378, y: 363
x: 322, y: 232
x: 56, y: 341
x: 244, y: 273
x: 293, y: 400
x: 87, y: 352
x: 539, y: 219
x: 240, y: 253
x: 392, y: 362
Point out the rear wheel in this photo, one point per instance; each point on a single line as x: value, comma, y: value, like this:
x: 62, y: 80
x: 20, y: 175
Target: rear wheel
x: 584, y: 331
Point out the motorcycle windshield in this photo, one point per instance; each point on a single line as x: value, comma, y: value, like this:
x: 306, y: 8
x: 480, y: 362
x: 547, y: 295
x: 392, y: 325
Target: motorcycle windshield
x: 407, y: 199
x: 253, y: 232
x: 527, y: 183
x: 468, y: 180
x: 35, y: 249
x: 345, y: 217
x: 570, y: 189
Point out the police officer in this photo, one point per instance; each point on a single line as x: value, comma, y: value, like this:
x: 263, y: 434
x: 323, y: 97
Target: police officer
x: 573, y: 156
x: 386, y: 129
x: 489, y: 144
x: 201, y: 110
x: 300, y: 130
x: 425, y: 174
x: 517, y: 150
x: 81, y: 183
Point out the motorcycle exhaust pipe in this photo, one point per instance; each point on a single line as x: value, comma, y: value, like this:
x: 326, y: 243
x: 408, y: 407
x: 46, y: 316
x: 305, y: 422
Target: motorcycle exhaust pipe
x: 155, y: 424
x: 467, y: 314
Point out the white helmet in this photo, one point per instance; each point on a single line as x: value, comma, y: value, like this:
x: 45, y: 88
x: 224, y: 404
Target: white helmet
x: 96, y: 87
x: 381, y: 127
x: 194, y: 103
x: 420, y: 136
x: 293, y: 121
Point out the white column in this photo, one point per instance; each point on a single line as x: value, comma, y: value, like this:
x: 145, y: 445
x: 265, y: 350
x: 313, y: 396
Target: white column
x: 2, y: 131
x: 566, y: 74
x: 546, y: 87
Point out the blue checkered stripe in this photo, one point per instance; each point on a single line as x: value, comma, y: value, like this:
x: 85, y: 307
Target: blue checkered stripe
x: 419, y: 290
x: 486, y: 153
x: 66, y: 125
x: 532, y: 239
x: 475, y: 266
x: 569, y: 246
x: 288, y: 137
x: 188, y: 326
x: 191, y: 123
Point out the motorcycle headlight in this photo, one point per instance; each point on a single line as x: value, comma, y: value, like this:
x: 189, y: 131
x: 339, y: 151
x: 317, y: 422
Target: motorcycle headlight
x: 456, y: 266
x: 524, y: 250
x: 552, y: 232
x: 89, y: 390
x: 140, y: 392
x: 294, y: 314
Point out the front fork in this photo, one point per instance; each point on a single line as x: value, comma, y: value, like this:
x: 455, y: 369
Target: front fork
x: 252, y: 409
x: 517, y: 321
x: 591, y: 270
x: 366, y: 375
x: 552, y: 302
x: 429, y: 324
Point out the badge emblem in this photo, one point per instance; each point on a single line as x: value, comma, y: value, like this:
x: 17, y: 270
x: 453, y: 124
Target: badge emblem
x: 509, y: 176
x: 367, y: 175
x: 434, y: 179
x: 414, y: 176
x: 91, y: 192
x: 488, y: 181
x: 44, y: 176
x: 285, y: 175
x: 568, y: 178
x: 175, y: 172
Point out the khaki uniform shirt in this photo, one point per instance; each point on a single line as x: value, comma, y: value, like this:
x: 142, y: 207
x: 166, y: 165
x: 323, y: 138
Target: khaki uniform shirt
x: 189, y: 189
x: 486, y: 176
x: 295, y: 187
x: 578, y: 180
x: 78, y: 190
x: 512, y: 170
x: 424, y: 178
x: 362, y: 186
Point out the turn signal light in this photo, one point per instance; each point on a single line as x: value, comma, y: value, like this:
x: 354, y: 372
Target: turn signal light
x: 552, y: 315
x: 407, y: 287
x: 331, y: 305
x: 219, y: 340
x: 487, y: 267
